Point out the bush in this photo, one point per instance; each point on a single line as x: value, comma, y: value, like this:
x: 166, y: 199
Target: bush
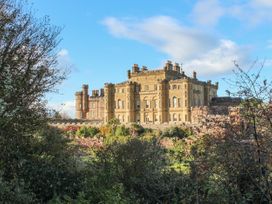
x: 87, y: 131
x: 136, y: 129
x: 176, y: 132
x: 15, y: 192
x: 121, y: 131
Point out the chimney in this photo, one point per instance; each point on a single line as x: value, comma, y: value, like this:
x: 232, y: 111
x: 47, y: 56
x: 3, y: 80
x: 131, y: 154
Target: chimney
x: 194, y: 75
x: 129, y: 74
x: 96, y: 92
x: 177, y: 67
x: 169, y: 65
x: 216, y: 84
x: 144, y: 68
x: 101, y: 92
x: 135, y: 68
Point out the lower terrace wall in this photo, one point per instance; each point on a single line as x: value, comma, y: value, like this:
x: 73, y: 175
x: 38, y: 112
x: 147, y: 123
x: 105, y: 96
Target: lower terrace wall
x: 205, y: 120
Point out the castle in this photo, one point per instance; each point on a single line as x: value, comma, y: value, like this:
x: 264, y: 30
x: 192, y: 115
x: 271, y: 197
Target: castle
x: 166, y: 95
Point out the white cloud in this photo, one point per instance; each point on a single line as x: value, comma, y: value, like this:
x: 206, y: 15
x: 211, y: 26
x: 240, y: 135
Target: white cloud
x: 63, y: 53
x: 65, y: 108
x: 207, y: 12
x: 64, y: 60
x: 207, y: 54
x: 218, y: 60
x: 252, y: 12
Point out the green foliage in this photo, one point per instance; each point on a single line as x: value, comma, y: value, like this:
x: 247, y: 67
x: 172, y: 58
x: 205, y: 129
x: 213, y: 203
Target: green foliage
x: 176, y: 132
x: 15, y: 192
x: 121, y: 130
x: 52, y: 169
x: 136, y: 129
x: 142, y: 168
x: 114, y: 122
x: 87, y: 131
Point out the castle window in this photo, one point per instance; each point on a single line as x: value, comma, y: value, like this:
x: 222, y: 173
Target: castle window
x: 178, y: 86
x: 137, y: 88
x: 169, y: 117
x: 155, y: 87
x: 179, y: 118
x: 174, y: 102
x: 156, y: 117
x: 174, y: 86
x: 185, y: 103
x: 156, y: 103
x: 179, y: 102
x: 119, y: 104
x: 123, y: 90
x: 174, y: 117
x: 186, y: 117
x: 138, y: 104
x: 147, y: 104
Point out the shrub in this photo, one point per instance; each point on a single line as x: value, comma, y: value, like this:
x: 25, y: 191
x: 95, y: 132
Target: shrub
x: 121, y: 131
x: 176, y: 132
x: 136, y: 129
x: 15, y: 192
x: 87, y: 131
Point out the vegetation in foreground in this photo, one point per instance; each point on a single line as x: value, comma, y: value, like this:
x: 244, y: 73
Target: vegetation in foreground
x: 116, y: 164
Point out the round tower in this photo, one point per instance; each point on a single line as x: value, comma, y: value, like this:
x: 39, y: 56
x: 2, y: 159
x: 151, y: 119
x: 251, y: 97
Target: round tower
x: 85, y: 100
x: 79, y: 114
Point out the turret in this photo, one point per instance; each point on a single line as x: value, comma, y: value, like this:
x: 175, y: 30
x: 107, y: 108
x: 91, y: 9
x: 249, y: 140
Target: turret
x: 129, y: 74
x: 78, y: 96
x: 85, y: 100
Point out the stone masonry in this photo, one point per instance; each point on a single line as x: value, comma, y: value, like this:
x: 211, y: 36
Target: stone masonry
x: 163, y: 96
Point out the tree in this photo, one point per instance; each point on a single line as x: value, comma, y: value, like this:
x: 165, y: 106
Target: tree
x: 238, y: 159
x: 28, y: 70
x: 27, y: 66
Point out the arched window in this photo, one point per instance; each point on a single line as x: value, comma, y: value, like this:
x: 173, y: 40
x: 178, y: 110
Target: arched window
x: 174, y: 102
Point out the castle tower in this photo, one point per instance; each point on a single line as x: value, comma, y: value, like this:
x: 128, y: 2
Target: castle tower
x: 85, y: 100
x: 79, y: 114
x: 109, y: 102
x: 130, y: 113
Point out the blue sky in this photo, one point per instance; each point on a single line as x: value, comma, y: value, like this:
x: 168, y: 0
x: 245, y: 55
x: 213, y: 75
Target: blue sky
x: 102, y: 39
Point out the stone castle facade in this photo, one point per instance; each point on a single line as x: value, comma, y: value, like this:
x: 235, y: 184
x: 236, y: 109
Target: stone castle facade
x: 166, y: 95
